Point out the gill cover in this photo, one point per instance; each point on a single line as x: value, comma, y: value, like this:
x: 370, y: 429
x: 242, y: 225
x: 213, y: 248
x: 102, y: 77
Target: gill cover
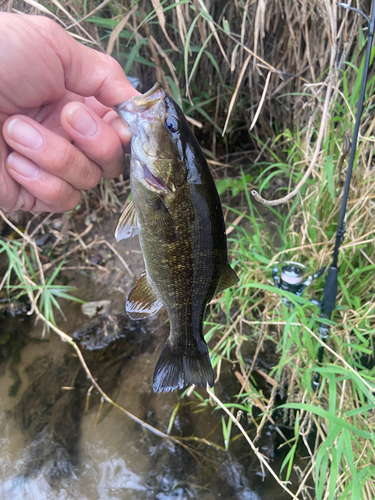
x: 154, y: 120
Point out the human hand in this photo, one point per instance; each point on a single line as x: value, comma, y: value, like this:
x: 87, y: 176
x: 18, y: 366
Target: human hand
x: 59, y: 132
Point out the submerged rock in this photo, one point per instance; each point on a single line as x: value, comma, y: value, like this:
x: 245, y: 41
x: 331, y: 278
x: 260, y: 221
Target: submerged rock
x: 101, y: 332
x: 99, y: 307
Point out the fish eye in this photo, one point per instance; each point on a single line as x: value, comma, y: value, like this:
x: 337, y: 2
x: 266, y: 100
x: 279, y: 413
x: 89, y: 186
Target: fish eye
x: 171, y: 123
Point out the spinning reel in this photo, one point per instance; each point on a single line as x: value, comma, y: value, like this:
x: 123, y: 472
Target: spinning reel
x: 291, y: 280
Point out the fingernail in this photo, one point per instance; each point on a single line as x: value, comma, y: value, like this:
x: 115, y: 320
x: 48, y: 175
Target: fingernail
x: 22, y: 166
x: 82, y: 121
x: 25, y: 134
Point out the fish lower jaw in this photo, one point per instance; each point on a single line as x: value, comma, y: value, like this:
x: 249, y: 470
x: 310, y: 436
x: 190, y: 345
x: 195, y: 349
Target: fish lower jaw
x: 148, y: 179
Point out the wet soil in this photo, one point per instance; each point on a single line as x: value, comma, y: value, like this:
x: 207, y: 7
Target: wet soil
x: 59, y: 441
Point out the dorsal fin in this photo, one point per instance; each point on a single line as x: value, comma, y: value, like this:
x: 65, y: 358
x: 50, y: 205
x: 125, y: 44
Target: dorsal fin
x: 228, y: 279
x: 128, y: 224
x: 142, y: 301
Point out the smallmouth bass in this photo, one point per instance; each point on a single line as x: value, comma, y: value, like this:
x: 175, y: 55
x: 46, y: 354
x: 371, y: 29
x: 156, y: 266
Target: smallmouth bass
x: 177, y: 214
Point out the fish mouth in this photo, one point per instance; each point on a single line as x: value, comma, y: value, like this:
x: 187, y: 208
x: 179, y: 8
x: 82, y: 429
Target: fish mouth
x: 157, y: 87
x: 154, y: 182
x: 138, y: 113
x: 139, y: 107
x: 143, y: 167
x: 147, y: 100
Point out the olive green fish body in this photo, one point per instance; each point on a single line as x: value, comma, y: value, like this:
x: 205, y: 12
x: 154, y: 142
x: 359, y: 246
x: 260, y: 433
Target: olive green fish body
x: 179, y: 220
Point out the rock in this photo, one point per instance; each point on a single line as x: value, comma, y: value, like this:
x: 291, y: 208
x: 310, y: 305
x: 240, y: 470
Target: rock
x: 92, y: 309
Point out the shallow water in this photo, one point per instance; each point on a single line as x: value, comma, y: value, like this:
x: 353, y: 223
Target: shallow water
x: 52, y: 448
x: 58, y: 443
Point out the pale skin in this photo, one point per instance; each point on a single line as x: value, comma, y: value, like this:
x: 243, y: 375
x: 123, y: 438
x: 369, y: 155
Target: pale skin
x: 59, y: 134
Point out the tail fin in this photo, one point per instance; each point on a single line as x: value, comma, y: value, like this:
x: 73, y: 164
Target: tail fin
x: 176, y: 370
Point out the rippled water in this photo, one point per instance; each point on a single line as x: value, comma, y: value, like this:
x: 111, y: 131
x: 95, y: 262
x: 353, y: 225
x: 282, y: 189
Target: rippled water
x: 53, y: 448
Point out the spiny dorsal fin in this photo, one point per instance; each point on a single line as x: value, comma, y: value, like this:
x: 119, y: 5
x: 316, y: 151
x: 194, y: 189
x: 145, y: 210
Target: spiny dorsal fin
x: 228, y: 279
x: 142, y: 301
x: 128, y: 224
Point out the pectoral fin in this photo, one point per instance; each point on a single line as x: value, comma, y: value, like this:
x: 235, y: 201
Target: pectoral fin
x: 228, y: 279
x: 142, y: 301
x: 128, y: 224
x: 164, y: 221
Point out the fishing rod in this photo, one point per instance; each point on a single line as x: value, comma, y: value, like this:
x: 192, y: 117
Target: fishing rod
x: 291, y: 278
x: 330, y: 286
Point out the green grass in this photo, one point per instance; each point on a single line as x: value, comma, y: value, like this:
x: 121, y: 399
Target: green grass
x: 24, y: 278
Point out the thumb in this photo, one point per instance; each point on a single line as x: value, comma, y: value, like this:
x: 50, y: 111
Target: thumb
x: 87, y: 72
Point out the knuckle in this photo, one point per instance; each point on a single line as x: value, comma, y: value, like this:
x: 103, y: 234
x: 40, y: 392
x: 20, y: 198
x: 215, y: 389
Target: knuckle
x: 64, y: 160
x: 115, y: 169
x: 76, y: 168
x: 12, y: 200
x: 46, y: 22
x: 14, y: 207
x: 67, y: 200
x: 59, y: 191
x: 73, y: 203
x: 93, y: 177
x: 114, y: 153
x: 114, y: 162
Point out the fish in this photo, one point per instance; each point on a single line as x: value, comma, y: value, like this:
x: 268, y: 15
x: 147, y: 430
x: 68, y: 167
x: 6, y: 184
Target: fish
x: 177, y: 215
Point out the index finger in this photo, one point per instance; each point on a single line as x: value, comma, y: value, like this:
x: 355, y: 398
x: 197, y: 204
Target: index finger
x: 87, y: 72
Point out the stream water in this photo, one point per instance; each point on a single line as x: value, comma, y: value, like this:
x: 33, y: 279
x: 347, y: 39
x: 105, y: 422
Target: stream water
x: 58, y: 443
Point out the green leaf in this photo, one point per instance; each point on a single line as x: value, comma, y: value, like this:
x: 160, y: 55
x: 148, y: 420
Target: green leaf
x: 198, y: 57
x: 173, y: 416
x: 328, y: 169
x: 333, y: 474
x: 133, y: 54
x: 187, y: 46
x: 289, y: 460
x: 331, y: 418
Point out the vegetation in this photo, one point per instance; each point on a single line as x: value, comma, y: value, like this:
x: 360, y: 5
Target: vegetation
x: 271, y: 90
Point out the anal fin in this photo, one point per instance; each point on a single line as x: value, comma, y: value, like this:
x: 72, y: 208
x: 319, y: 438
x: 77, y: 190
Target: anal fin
x: 228, y: 279
x: 142, y: 301
x: 128, y: 224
